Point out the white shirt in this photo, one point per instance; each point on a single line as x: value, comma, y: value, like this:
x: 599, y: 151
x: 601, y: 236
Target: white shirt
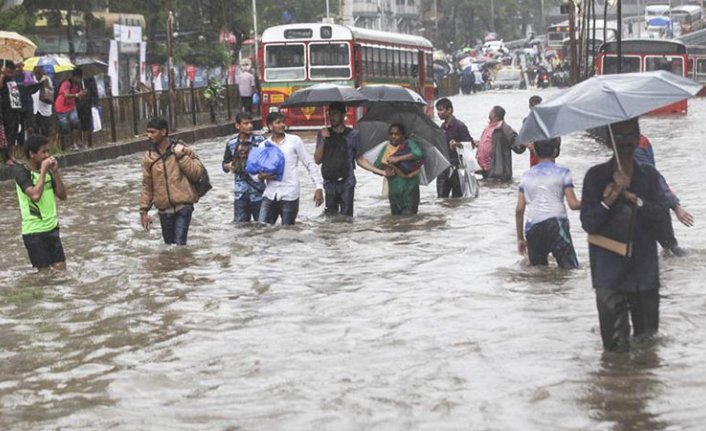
x: 294, y: 151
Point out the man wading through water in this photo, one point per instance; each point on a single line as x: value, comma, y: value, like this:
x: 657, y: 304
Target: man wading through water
x: 168, y: 168
x: 627, y: 287
x: 337, y: 150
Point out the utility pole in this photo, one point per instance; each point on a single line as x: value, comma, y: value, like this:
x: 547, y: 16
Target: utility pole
x: 436, y: 21
x: 620, y: 36
x: 492, y: 15
x: 254, y: 26
x: 572, y: 41
x: 542, y: 26
x: 170, y: 66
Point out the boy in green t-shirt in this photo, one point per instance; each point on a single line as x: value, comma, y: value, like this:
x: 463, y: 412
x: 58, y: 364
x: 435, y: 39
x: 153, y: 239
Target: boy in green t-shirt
x: 38, y: 182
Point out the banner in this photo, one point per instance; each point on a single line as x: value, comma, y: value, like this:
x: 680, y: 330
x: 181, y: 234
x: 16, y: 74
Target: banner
x: 191, y: 72
x: 143, y: 62
x: 127, y: 33
x: 113, y: 67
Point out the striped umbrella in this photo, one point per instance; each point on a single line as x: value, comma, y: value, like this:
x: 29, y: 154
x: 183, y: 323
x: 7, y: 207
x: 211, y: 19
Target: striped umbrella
x: 52, y: 64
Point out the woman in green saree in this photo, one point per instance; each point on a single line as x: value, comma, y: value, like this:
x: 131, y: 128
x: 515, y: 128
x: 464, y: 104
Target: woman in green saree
x: 402, y: 160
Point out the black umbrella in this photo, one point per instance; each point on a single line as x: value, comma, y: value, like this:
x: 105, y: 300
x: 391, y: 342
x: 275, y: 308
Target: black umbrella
x: 374, y: 125
x: 391, y: 93
x: 91, y: 66
x: 324, y: 94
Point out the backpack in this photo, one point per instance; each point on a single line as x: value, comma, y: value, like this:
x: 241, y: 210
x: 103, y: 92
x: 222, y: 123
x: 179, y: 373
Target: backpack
x: 335, y: 163
x: 202, y: 184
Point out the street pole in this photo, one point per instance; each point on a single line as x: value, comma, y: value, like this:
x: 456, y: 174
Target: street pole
x: 170, y: 66
x: 620, y: 36
x: 254, y: 26
x: 436, y: 21
x: 572, y: 42
x: 328, y: 14
x: 542, y: 27
x: 492, y: 15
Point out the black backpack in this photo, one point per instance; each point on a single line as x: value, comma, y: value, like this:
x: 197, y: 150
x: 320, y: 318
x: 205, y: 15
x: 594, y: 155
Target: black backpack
x: 335, y: 163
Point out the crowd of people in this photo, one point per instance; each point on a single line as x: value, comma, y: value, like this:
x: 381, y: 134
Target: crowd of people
x: 31, y: 104
x: 626, y: 280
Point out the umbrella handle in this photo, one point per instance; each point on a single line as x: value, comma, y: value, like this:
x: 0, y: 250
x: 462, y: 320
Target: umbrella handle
x: 615, y: 148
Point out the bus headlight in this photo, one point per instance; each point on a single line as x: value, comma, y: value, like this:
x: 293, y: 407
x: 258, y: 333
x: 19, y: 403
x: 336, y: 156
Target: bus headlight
x: 273, y: 109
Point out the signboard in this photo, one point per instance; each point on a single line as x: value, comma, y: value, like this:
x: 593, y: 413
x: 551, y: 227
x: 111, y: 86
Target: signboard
x: 127, y: 33
x: 191, y: 72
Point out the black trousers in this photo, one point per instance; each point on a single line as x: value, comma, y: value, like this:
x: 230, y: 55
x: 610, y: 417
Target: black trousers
x: 617, y: 309
x: 448, y: 184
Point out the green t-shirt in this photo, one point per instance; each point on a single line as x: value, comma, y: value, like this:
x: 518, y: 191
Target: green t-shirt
x: 40, y: 216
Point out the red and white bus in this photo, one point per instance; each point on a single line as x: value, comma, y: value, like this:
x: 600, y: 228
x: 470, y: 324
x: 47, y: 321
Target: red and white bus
x: 295, y: 56
x: 644, y: 55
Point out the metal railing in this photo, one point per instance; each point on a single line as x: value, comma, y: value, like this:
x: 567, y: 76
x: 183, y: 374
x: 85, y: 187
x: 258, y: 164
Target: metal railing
x: 125, y: 117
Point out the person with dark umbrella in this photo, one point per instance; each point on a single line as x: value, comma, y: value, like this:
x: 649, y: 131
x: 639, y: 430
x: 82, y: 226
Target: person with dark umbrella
x: 626, y: 283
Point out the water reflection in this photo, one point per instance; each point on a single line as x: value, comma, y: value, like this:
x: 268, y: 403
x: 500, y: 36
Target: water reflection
x: 623, y: 391
x: 427, y: 322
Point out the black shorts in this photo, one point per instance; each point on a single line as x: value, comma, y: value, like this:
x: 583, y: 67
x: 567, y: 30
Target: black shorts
x: 44, y: 248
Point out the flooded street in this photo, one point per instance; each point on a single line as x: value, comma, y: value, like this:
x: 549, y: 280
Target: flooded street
x: 425, y: 323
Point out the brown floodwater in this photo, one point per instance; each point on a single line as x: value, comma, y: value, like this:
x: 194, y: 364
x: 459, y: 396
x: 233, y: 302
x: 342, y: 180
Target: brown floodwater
x: 430, y: 323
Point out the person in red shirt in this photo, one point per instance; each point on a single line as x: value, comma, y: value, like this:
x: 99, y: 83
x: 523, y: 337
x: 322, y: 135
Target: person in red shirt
x: 65, y: 108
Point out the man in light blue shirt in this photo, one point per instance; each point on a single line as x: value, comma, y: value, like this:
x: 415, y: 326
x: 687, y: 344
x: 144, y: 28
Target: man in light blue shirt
x: 546, y: 228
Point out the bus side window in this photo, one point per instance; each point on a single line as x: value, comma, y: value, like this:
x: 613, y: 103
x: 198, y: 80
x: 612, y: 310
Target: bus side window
x: 378, y: 61
x: 393, y: 61
x: 415, y: 64
x: 386, y: 61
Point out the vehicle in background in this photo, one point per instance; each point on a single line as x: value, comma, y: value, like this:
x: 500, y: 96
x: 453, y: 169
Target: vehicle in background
x: 644, y: 55
x: 294, y: 56
x: 509, y: 78
x: 659, y: 27
x: 697, y: 65
x: 688, y: 17
x: 654, y: 10
x: 555, y: 36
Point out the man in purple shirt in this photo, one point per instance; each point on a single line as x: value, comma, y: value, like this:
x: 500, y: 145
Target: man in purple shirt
x: 456, y: 133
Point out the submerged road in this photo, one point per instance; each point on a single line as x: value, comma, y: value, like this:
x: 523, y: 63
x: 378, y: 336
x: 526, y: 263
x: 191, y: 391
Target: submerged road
x: 429, y: 323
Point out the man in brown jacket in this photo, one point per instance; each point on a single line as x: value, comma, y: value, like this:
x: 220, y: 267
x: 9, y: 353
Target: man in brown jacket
x: 497, y: 139
x: 168, y: 170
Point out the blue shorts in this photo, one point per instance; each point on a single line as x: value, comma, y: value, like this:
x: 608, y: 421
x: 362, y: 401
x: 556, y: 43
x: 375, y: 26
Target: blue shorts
x: 68, y: 120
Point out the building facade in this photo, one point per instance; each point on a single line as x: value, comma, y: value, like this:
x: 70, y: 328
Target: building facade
x: 401, y: 16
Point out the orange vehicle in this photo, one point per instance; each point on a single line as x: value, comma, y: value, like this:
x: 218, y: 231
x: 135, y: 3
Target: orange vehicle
x: 644, y: 55
x: 294, y: 56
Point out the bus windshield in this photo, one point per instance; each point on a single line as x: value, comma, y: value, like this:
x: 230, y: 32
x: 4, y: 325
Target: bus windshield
x: 670, y: 64
x: 630, y: 65
x: 329, y: 60
x: 284, y: 62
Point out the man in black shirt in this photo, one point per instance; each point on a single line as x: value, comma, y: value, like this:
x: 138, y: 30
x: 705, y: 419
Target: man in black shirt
x: 626, y: 286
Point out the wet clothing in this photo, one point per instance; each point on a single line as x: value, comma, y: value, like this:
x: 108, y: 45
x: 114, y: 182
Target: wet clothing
x: 40, y: 224
x: 339, y: 198
x: 404, y: 185
x: 39, y: 216
x: 84, y: 105
x: 503, y: 141
x: 543, y: 187
x: 612, y: 271
x: 44, y: 248
x: 175, y: 225
x: 547, y: 224
x: 614, y: 310
x: 339, y: 193
x: 270, y: 210
x: 247, y: 188
x: 551, y: 236
x: 644, y: 155
x: 294, y: 151
x: 449, y: 182
x: 625, y: 285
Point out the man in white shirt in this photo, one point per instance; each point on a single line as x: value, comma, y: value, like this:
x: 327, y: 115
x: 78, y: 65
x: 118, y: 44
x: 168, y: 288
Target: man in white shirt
x: 281, y: 198
x: 44, y: 99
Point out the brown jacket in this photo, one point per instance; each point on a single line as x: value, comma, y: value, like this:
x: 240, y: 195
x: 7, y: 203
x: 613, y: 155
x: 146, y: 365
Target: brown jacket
x: 166, y: 179
x: 501, y: 163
